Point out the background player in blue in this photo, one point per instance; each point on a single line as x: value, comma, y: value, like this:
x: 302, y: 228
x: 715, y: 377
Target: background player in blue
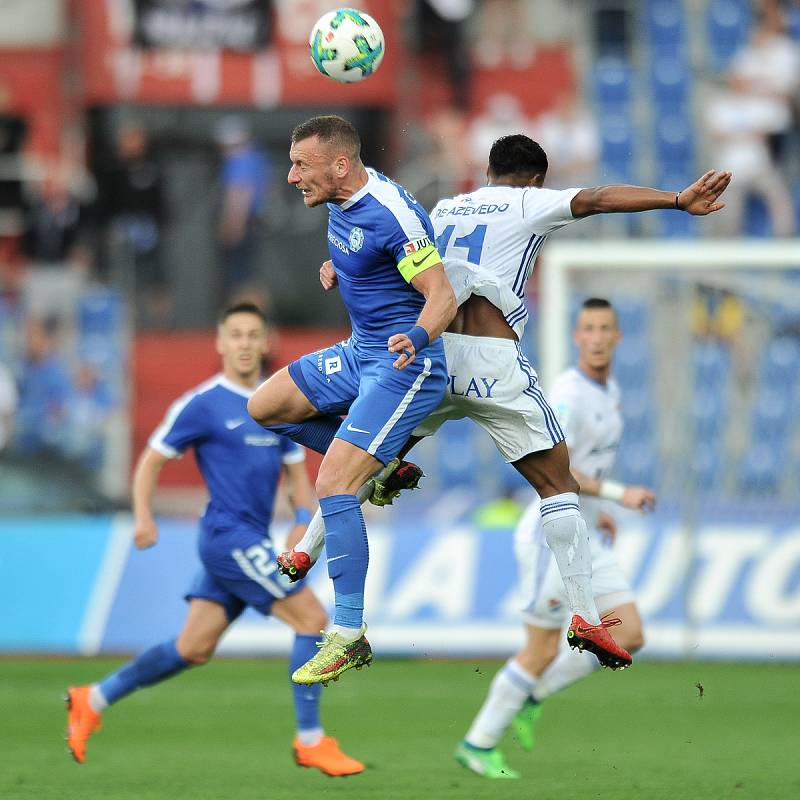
x: 242, y: 465
x: 387, y: 377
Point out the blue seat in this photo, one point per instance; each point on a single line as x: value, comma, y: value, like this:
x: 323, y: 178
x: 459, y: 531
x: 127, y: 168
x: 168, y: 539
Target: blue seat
x: 632, y: 315
x: 613, y: 78
x: 670, y: 83
x: 674, y: 225
x: 673, y: 142
x: 710, y: 364
x: 761, y: 470
x: 780, y: 362
x: 706, y: 465
x: 708, y: 414
x: 757, y: 221
x: 632, y: 358
x: 665, y: 24
x: 637, y: 414
x: 772, y: 415
x: 727, y: 26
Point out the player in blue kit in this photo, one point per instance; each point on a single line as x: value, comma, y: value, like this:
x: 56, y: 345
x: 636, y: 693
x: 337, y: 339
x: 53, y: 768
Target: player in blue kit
x: 241, y: 464
x: 385, y: 379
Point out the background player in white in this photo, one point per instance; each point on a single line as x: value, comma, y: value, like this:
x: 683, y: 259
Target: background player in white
x: 241, y: 465
x: 587, y: 401
x: 489, y: 240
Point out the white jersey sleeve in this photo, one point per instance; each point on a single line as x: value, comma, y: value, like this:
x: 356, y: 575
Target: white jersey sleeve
x: 547, y: 210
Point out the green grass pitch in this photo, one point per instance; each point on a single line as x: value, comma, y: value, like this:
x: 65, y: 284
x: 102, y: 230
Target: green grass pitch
x: 223, y: 732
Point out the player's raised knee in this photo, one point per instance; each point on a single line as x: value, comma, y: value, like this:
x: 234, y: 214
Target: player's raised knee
x: 196, y: 653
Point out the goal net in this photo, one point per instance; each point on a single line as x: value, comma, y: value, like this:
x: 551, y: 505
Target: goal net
x: 709, y: 369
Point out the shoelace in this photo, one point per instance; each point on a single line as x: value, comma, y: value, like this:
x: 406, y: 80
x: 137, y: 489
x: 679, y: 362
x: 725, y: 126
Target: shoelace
x: 606, y: 622
x: 327, y: 638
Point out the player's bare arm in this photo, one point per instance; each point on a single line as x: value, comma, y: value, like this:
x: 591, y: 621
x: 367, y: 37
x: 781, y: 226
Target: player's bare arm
x: 437, y: 313
x: 145, y: 478
x: 301, y: 498
x: 699, y: 198
x: 638, y: 498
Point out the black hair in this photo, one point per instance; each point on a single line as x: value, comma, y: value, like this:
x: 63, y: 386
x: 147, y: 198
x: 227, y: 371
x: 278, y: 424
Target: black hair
x: 242, y: 308
x: 331, y: 130
x: 517, y: 154
x: 596, y: 302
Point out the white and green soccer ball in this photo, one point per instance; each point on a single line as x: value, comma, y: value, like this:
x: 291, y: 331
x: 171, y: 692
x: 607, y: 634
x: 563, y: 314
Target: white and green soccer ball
x: 346, y: 45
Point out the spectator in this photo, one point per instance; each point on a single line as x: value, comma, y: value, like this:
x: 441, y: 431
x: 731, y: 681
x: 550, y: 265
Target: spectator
x: 90, y: 405
x: 504, y: 34
x: 45, y: 391
x: 503, y: 115
x: 8, y: 405
x: 769, y: 68
x: 52, y: 221
x: 441, y: 32
x: 739, y: 123
x: 568, y: 134
x: 244, y: 179
x: 131, y: 207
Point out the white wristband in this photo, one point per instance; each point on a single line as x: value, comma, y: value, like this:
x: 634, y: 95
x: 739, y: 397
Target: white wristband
x: 611, y: 490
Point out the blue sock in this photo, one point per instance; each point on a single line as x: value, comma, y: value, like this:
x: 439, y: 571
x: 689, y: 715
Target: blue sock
x: 316, y: 433
x: 348, y: 556
x: 154, y: 665
x: 306, y: 698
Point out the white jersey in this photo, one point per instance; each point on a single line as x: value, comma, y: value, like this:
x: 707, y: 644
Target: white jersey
x: 493, y: 235
x: 590, y: 416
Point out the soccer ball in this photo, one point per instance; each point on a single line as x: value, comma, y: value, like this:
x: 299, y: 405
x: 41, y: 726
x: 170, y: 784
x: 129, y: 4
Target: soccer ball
x: 346, y: 45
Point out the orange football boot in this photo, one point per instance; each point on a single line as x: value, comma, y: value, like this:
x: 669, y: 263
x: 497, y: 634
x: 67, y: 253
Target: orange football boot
x: 596, y: 639
x: 82, y: 721
x: 326, y: 757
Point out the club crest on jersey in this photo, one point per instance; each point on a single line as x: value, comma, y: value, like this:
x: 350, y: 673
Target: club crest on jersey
x: 356, y: 239
x: 417, y: 244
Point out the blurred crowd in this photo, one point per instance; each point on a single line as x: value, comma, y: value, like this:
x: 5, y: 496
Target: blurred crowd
x: 93, y: 229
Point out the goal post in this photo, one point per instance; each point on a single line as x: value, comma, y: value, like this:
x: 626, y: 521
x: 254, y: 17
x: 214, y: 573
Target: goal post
x: 560, y: 259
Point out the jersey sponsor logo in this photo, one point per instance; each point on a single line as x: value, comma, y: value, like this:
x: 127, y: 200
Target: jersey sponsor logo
x: 262, y: 440
x: 467, y: 211
x: 333, y: 365
x: 233, y: 424
x: 338, y: 244
x: 473, y: 388
x: 356, y: 239
x: 355, y: 430
x: 416, y: 245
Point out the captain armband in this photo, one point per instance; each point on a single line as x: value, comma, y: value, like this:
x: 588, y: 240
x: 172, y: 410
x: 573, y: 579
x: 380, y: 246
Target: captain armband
x: 419, y: 259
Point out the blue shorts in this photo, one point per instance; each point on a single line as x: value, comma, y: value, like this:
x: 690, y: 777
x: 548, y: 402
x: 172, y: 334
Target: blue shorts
x: 382, y: 404
x: 239, y: 570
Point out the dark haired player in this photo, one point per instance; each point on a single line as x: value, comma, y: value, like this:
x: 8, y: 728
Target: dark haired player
x: 489, y: 240
x: 242, y: 465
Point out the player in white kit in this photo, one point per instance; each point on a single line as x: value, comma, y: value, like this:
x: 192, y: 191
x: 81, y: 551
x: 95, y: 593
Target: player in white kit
x: 587, y: 401
x: 489, y: 240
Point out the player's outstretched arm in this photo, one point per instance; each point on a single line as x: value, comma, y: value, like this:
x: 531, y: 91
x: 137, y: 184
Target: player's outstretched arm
x: 437, y: 313
x: 145, y: 478
x: 639, y: 498
x: 699, y: 198
x: 302, y: 499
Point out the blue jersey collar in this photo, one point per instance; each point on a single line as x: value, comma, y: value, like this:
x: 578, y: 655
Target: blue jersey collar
x: 234, y: 387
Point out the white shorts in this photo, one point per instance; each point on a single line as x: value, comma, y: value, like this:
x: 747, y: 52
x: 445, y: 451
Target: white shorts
x: 492, y: 383
x: 545, y: 603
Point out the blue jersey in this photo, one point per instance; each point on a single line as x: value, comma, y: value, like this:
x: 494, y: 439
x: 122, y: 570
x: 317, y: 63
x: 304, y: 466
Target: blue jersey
x: 379, y: 239
x: 239, y: 460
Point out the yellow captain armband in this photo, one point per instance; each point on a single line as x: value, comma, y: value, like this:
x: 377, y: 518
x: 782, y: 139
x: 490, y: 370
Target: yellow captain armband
x: 418, y: 261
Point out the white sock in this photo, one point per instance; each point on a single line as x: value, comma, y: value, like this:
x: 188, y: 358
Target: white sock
x: 314, y: 538
x: 568, y: 667
x: 310, y: 737
x: 568, y: 537
x: 507, y: 694
x: 350, y: 634
x: 96, y: 700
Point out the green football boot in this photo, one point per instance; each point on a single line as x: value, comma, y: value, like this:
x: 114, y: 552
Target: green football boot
x: 335, y: 656
x: 525, y: 724
x: 488, y: 763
